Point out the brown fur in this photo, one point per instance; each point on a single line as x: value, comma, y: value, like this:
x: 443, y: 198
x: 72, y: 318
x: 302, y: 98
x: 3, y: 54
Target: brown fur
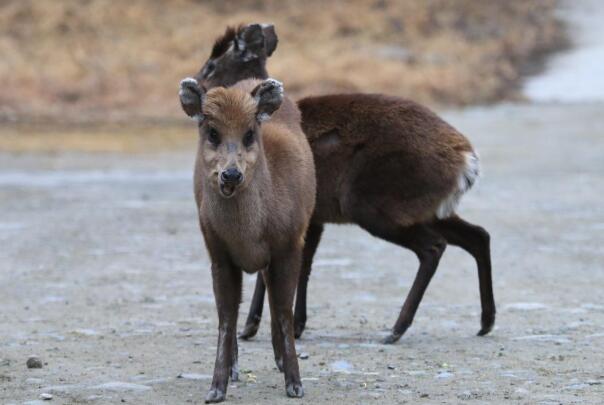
x: 261, y: 227
x: 387, y: 164
x: 405, y: 159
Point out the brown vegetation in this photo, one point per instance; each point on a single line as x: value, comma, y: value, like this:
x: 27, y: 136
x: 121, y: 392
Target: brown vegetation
x: 106, y: 60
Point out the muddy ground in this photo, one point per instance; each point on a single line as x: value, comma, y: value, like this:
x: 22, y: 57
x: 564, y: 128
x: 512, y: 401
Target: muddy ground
x: 103, y: 275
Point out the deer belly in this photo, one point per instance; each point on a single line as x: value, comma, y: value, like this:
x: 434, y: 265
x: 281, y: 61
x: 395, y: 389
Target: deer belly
x: 250, y: 257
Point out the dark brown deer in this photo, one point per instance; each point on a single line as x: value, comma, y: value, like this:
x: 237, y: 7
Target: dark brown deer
x: 385, y: 163
x: 255, y: 193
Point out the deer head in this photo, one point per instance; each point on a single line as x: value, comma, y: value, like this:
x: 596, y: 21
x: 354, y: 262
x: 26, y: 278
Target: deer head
x: 239, y: 54
x: 230, y: 129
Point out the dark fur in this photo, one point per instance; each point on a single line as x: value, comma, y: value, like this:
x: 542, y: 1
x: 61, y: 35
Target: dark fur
x: 222, y: 43
x: 383, y: 163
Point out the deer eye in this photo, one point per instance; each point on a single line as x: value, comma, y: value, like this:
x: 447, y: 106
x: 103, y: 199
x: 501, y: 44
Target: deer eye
x: 210, y: 67
x: 248, y: 138
x: 213, y: 137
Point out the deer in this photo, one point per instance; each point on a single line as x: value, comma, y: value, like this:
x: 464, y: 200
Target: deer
x: 385, y: 163
x: 254, y: 185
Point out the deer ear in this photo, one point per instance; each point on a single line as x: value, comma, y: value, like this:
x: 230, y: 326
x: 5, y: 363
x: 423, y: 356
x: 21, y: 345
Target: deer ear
x: 249, y: 42
x: 270, y: 38
x: 254, y: 41
x: 269, y: 96
x: 191, y: 98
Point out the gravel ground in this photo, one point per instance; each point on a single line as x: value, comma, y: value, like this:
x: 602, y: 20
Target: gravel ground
x: 104, y: 276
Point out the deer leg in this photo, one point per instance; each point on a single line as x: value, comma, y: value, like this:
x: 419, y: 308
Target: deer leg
x: 276, y: 338
x: 227, y: 292
x: 281, y: 281
x: 313, y: 237
x: 255, y: 315
x: 429, y: 247
x: 476, y: 241
x: 423, y: 240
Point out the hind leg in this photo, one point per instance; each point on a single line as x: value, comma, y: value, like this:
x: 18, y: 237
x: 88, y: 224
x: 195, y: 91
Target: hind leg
x: 423, y: 240
x: 476, y: 241
x: 252, y: 322
x: 313, y: 237
x: 428, y: 246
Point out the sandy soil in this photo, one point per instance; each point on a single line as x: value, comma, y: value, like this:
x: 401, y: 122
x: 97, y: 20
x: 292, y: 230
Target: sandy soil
x: 104, y: 276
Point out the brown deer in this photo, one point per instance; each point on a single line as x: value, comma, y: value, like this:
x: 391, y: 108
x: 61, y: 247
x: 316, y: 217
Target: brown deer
x: 385, y: 163
x: 255, y: 193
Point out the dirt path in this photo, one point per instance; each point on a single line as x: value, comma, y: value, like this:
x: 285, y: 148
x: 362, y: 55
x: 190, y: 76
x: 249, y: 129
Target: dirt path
x: 103, y: 275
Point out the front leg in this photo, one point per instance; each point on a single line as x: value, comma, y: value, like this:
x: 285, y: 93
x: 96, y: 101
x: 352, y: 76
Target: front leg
x: 227, y: 292
x: 280, y: 280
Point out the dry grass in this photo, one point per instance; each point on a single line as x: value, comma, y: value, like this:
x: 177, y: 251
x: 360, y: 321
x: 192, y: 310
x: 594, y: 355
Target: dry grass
x: 96, y: 138
x: 82, y: 60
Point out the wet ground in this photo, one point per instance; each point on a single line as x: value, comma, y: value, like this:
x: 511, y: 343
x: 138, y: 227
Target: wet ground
x: 576, y: 75
x: 103, y: 275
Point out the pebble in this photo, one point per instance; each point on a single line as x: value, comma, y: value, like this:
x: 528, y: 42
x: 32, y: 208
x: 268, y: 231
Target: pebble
x: 34, y: 362
x: 443, y: 375
x: 46, y: 396
x: 194, y: 376
x: 465, y: 395
x: 303, y: 356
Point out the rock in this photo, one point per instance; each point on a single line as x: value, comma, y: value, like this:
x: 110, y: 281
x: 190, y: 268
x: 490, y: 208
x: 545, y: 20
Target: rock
x: 46, y: 396
x: 34, y: 362
x: 443, y: 374
x: 391, y: 367
x: 84, y: 332
x: 465, y: 395
x: 303, y: 356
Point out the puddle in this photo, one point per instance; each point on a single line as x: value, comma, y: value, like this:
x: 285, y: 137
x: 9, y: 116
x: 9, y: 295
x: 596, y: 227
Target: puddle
x: 575, y: 75
x: 341, y: 366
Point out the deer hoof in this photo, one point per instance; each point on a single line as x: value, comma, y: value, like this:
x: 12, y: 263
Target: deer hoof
x: 215, y: 395
x: 249, y: 331
x: 299, y: 329
x: 391, y: 339
x: 294, y: 390
x: 488, y: 321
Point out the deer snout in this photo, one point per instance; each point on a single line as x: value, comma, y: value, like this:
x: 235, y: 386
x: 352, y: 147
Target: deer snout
x: 232, y: 175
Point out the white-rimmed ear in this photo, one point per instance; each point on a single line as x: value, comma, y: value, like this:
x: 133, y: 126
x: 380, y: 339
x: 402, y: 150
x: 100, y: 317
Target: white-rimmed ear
x: 191, y: 98
x: 249, y: 42
x: 255, y: 41
x: 269, y: 96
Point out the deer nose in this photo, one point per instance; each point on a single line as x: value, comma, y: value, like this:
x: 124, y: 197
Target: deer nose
x: 231, y: 175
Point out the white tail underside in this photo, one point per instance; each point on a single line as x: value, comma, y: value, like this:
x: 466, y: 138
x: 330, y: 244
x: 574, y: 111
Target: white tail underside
x: 466, y: 179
